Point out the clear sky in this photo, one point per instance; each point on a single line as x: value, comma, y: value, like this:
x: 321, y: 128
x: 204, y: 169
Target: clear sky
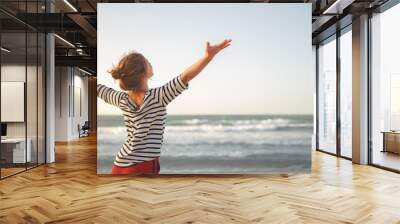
x: 266, y: 70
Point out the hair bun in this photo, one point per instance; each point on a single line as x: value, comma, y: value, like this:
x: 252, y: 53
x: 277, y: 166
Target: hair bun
x: 116, y: 73
x: 131, y: 71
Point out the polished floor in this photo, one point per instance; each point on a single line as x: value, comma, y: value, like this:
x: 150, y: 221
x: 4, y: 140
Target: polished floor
x: 70, y: 191
x: 5, y: 172
x: 386, y: 159
x: 8, y: 171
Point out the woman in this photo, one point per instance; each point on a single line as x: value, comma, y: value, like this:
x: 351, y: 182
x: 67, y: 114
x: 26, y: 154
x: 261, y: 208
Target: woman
x: 144, y: 109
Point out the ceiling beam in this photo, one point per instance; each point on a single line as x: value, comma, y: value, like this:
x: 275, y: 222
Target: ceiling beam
x: 320, y: 22
x: 84, y: 24
x: 79, y: 61
x: 338, y: 6
x: 49, y: 22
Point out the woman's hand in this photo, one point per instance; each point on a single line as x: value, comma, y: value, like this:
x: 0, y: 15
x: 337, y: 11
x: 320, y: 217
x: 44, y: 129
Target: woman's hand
x: 197, y: 67
x: 212, y: 50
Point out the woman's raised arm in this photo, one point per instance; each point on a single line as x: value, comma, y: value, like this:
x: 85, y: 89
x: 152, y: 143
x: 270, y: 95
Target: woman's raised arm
x: 196, y: 68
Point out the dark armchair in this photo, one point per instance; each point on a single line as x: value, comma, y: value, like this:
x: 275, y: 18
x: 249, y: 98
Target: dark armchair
x: 84, y: 130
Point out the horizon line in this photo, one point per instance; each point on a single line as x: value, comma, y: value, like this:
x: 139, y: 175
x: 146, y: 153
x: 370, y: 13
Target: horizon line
x: 213, y: 114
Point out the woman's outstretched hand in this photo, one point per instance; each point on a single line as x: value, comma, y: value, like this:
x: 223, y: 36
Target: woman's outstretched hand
x: 212, y: 50
x: 197, y: 67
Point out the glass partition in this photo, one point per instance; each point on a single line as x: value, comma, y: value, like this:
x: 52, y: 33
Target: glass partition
x: 13, y: 92
x: 385, y: 89
x: 31, y: 97
x: 41, y: 97
x: 327, y: 95
x: 22, y: 88
x: 346, y: 93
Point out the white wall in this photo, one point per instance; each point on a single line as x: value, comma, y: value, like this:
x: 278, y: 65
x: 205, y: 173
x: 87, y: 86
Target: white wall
x: 314, y: 73
x: 360, y: 90
x: 61, y: 103
x: 70, y: 83
x: 80, y: 84
x: 34, y: 124
x: 14, y: 73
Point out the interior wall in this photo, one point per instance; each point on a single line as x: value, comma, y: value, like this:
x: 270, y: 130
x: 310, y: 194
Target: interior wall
x: 314, y: 71
x: 360, y: 90
x: 80, y: 109
x: 61, y: 103
x: 50, y: 95
x: 92, y: 100
x: 33, y: 126
x: 71, y: 102
x: 14, y: 73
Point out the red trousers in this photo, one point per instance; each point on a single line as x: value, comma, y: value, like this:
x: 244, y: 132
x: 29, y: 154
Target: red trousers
x: 148, y: 167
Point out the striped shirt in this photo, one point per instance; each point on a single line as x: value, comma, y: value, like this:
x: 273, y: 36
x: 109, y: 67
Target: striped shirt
x: 144, y: 124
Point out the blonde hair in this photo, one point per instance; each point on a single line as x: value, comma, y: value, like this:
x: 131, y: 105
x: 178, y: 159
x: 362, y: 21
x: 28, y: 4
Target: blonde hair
x: 130, y: 71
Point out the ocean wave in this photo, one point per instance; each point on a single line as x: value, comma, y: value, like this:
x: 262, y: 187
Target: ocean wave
x: 111, y: 131
x: 211, y: 140
x: 226, y: 155
x: 233, y: 153
x: 239, y: 127
x: 240, y: 142
x: 235, y: 165
x: 190, y: 121
x: 117, y: 135
x: 234, y: 125
x: 197, y: 121
x: 228, y: 125
x: 231, y: 170
x: 226, y: 151
x: 176, y: 166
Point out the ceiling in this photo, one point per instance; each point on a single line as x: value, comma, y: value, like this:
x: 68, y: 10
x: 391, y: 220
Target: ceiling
x: 75, y: 22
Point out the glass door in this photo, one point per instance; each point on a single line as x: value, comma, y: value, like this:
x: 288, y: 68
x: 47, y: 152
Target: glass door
x: 22, y: 88
x: 14, y: 156
x: 385, y: 89
x: 327, y: 95
x: 346, y: 92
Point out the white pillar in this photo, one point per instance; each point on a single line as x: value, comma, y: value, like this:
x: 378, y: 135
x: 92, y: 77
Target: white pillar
x: 62, y: 103
x: 50, y: 92
x: 360, y: 90
x: 314, y: 66
x: 50, y: 99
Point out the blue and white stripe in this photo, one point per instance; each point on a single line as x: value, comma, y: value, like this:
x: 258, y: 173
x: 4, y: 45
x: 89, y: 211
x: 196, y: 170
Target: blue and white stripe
x: 145, y: 124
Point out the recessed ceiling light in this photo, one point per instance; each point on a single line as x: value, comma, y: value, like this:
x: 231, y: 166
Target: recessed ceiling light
x: 64, y: 40
x: 84, y: 71
x: 70, y: 5
x: 5, y: 50
x: 338, y: 6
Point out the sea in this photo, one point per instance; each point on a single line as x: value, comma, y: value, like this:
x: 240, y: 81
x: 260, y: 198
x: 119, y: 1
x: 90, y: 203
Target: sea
x: 220, y: 144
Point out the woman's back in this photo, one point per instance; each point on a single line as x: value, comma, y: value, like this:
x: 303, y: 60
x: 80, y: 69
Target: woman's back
x: 145, y: 123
